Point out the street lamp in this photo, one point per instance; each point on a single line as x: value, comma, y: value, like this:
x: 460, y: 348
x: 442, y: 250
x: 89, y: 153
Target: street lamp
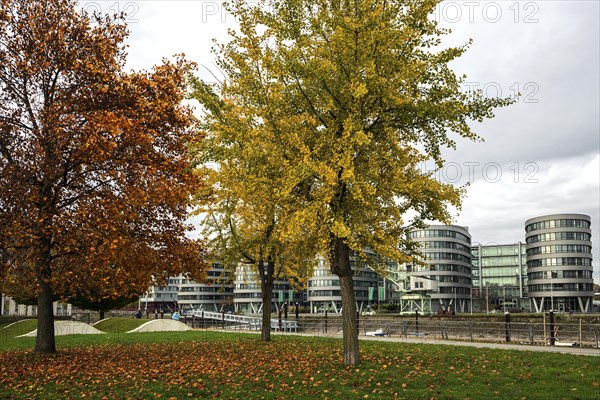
x: 471, y: 298
x: 487, y: 299
x: 455, y: 307
x: 416, y: 319
x: 551, y: 292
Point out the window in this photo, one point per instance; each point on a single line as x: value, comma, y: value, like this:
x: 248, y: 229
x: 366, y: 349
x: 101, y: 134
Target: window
x: 544, y: 237
x: 560, y: 248
x: 438, y: 233
x: 545, y: 262
x: 558, y: 223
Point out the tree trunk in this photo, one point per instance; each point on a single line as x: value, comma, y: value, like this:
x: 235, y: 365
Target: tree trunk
x: 45, y: 341
x: 101, y: 315
x: 267, y: 279
x: 340, y: 265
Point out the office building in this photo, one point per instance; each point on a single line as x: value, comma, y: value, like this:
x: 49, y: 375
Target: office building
x: 559, y: 263
x: 499, y: 277
x: 324, y: 292
x: 215, y: 295
x: 446, y: 273
x: 247, y: 293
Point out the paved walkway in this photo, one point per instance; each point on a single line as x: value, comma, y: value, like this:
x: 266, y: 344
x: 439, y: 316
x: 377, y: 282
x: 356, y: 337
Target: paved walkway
x: 586, y: 351
x: 583, y: 351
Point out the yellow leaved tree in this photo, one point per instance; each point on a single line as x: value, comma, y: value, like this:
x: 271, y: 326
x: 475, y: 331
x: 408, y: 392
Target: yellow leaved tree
x: 249, y: 218
x: 344, y: 100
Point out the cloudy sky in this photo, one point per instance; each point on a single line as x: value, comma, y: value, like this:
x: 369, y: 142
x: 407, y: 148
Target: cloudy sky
x: 540, y: 156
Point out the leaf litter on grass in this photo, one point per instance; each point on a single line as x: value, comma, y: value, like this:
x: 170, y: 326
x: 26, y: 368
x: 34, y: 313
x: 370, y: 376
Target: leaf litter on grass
x: 286, y: 368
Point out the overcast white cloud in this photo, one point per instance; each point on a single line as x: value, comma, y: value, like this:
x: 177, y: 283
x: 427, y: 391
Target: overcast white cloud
x: 546, y: 146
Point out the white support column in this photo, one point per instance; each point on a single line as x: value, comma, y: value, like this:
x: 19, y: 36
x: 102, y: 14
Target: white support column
x: 538, y: 308
x: 588, y: 304
x: 21, y: 309
x: 584, y: 307
x: 12, y: 307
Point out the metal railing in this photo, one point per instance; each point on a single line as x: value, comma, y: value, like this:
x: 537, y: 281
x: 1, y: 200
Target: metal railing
x: 543, y: 332
x: 238, y: 322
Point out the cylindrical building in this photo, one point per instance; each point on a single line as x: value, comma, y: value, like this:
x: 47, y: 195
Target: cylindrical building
x: 215, y: 295
x: 247, y: 292
x: 447, y: 276
x: 559, y: 263
x: 324, y: 293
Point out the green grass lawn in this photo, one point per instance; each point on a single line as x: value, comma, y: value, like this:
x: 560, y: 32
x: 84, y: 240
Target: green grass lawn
x: 18, y: 328
x: 8, y: 333
x: 119, y: 325
x: 201, y: 364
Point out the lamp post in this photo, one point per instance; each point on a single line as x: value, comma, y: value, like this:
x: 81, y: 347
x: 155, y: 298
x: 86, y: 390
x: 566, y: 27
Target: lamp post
x: 551, y: 292
x: 471, y: 299
x: 519, y: 285
x: 416, y: 319
x: 455, y: 306
x: 487, y: 299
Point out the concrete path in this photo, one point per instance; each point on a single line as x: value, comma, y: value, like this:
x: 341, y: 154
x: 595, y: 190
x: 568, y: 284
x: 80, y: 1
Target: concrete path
x: 587, y: 351
x: 584, y: 351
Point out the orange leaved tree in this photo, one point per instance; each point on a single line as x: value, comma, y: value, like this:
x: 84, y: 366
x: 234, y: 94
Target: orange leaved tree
x: 94, y: 175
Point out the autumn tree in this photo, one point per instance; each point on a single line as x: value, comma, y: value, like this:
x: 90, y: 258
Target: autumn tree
x: 93, y: 165
x: 246, y: 217
x: 353, y: 97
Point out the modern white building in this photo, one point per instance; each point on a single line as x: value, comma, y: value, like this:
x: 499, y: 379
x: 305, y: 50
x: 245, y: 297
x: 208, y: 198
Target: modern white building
x: 183, y: 294
x: 445, y: 273
x: 499, y: 277
x: 216, y: 295
x: 8, y: 307
x: 247, y: 294
x: 324, y: 292
x: 559, y: 263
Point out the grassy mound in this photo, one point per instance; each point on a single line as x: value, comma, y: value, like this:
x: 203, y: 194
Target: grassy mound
x: 18, y: 328
x: 119, y: 325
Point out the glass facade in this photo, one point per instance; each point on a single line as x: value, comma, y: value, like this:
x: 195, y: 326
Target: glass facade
x: 247, y: 294
x: 559, y: 223
x: 323, y: 292
x: 447, y: 275
x: 184, y: 295
x: 545, y: 237
x: 501, y: 277
x: 215, y: 295
x: 440, y: 233
x: 557, y: 280
x: 560, y: 248
x: 552, y: 269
